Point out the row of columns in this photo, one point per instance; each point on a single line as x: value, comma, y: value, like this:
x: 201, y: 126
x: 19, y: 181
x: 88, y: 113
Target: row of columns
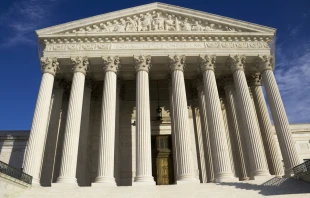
x: 237, y: 94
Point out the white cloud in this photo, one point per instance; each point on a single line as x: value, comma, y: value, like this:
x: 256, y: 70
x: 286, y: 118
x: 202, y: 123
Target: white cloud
x: 23, y: 17
x: 292, y: 75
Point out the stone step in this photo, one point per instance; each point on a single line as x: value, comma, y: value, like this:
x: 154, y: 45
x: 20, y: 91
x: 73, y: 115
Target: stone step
x: 280, y: 187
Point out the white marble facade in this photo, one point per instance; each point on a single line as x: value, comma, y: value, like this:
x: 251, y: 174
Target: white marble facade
x: 96, y: 108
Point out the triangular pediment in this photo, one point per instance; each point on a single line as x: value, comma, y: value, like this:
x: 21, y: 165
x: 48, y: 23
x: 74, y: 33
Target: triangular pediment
x: 154, y: 17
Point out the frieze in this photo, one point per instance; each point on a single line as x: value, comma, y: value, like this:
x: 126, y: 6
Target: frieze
x: 155, y: 21
x: 154, y: 45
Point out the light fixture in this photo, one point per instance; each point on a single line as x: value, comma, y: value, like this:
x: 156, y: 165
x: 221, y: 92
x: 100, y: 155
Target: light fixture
x: 158, y: 110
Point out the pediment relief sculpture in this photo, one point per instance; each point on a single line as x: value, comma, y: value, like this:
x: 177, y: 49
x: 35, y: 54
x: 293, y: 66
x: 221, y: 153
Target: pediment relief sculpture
x: 155, y: 21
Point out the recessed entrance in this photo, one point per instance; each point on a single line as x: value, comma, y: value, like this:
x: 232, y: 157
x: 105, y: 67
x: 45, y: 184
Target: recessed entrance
x: 162, y: 161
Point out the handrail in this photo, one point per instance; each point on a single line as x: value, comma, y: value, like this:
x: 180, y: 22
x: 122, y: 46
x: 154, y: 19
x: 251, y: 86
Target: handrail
x: 15, y: 173
x: 301, y: 169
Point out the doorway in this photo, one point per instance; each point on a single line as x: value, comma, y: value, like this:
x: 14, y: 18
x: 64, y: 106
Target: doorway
x: 162, y: 160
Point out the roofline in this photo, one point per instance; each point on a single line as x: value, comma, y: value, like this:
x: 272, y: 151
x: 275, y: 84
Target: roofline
x: 163, y: 6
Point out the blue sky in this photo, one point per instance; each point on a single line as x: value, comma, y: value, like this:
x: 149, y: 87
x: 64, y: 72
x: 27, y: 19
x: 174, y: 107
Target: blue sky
x: 20, y: 70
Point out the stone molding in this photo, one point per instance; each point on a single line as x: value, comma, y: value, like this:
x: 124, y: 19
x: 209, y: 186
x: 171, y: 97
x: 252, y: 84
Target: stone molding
x: 49, y: 65
x: 111, y: 64
x: 264, y: 62
x: 80, y: 64
x: 254, y: 80
x: 142, y: 63
x: 176, y: 62
x: 207, y: 62
x: 93, y: 46
x: 236, y: 62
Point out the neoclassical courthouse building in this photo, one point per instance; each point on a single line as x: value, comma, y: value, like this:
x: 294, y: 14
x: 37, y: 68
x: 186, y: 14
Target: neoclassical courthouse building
x: 156, y: 95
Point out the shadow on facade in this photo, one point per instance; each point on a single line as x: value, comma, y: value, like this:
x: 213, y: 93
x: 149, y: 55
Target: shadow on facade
x: 275, y: 186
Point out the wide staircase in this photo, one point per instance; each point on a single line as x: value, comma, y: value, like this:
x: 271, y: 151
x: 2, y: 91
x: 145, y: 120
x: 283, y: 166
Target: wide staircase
x: 265, y: 186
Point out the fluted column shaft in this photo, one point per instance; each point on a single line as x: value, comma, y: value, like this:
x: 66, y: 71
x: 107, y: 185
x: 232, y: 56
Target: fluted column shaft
x: 82, y: 171
x: 258, y: 160
x: 174, y: 144
x: 35, y: 147
x: 186, y: 171
x: 143, y: 125
x: 234, y: 125
x: 205, y: 133
x: 287, y: 144
x: 52, y: 133
x: 220, y: 153
x: 273, y: 157
x: 73, y: 124
x: 265, y: 65
x: 105, y: 173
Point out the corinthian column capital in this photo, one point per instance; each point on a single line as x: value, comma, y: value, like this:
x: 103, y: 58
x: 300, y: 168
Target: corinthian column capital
x: 177, y: 62
x: 142, y: 63
x: 236, y: 62
x: 111, y: 64
x: 264, y: 62
x: 207, y: 62
x: 49, y: 65
x: 80, y: 64
x: 254, y: 80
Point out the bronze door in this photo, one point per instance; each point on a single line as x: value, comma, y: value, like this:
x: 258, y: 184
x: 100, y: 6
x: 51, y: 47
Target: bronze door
x: 162, y: 160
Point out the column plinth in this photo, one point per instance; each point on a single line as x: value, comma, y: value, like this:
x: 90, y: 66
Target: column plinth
x: 73, y: 124
x: 186, y: 172
x: 143, y: 125
x: 105, y: 173
x: 35, y: 147
x: 220, y: 156
x: 265, y: 65
x: 255, y: 147
x: 273, y: 157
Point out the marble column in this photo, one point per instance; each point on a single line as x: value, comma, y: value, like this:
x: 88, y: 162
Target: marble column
x: 105, y: 173
x: 174, y: 144
x: 143, y: 125
x: 265, y: 65
x: 35, y: 147
x: 258, y: 160
x: 82, y: 172
x: 53, y: 132
x: 119, y: 96
x: 272, y: 154
x: 198, y: 136
x: 73, y: 124
x: 204, y: 126
x: 186, y: 171
x: 235, y: 127
x: 220, y: 155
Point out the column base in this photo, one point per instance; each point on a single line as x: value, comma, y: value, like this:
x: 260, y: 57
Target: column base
x: 67, y: 180
x: 259, y: 174
x: 244, y: 179
x: 143, y: 181
x: 35, y: 182
x: 224, y: 177
x: 185, y: 179
x: 104, y: 181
